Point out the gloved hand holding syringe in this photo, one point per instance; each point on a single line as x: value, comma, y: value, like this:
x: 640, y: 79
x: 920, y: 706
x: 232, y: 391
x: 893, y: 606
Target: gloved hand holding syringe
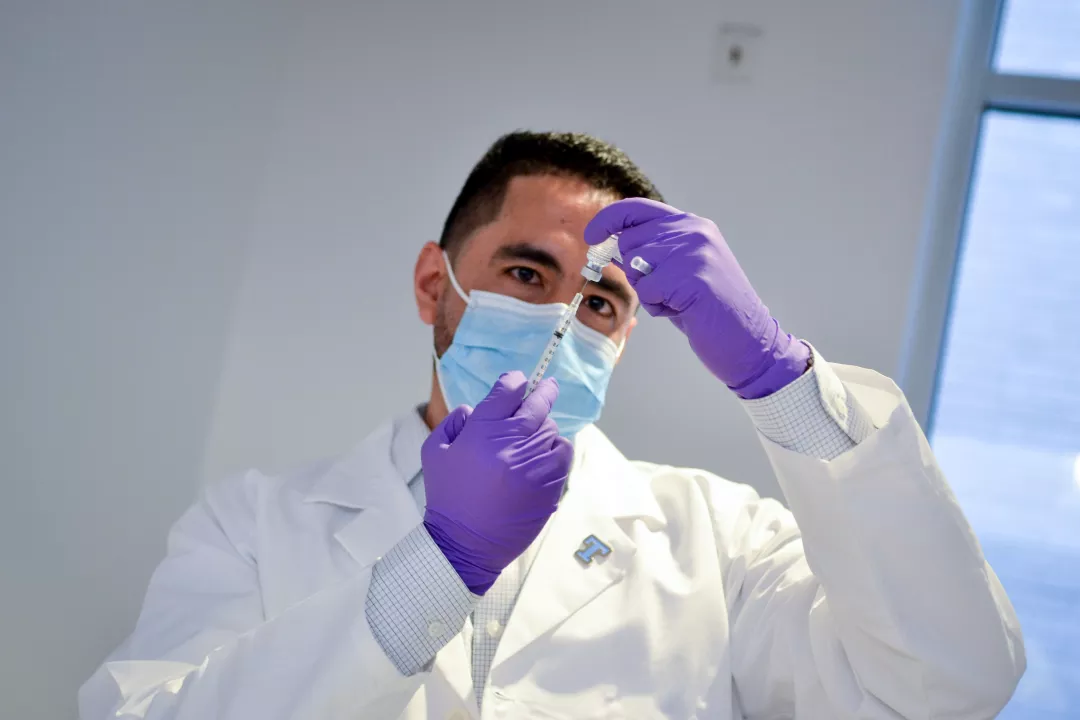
x: 598, y: 257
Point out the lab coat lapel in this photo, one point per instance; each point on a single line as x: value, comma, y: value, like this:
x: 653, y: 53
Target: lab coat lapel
x: 558, y: 585
x: 366, y: 480
x: 606, y: 497
x: 453, y: 668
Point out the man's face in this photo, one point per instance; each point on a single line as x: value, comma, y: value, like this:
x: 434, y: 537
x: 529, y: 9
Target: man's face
x: 533, y: 251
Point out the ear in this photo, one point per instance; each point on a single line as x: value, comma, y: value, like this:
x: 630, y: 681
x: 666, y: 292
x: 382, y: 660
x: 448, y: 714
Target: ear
x: 626, y: 338
x: 429, y: 281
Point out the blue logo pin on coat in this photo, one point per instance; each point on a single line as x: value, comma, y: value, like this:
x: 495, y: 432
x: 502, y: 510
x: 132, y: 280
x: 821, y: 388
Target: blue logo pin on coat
x: 590, y: 547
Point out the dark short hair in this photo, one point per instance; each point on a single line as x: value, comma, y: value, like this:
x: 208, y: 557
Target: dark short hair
x: 523, y: 153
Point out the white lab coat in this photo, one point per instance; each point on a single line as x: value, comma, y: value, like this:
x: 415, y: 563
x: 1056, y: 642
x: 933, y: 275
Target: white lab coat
x: 712, y: 603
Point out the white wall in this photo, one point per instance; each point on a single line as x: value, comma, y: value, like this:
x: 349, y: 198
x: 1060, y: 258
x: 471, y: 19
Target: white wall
x: 816, y: 172
x: 130, y: 147
x: 209, y: 214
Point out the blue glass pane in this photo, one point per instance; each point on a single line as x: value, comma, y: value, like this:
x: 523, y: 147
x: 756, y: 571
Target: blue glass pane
x: 1039, y: 37
x: 1007, y: 418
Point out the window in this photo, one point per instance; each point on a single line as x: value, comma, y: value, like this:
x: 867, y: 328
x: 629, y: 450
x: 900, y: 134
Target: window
x: 1006, y: 426
x: 1040, y: 37
x: 1005, y: 390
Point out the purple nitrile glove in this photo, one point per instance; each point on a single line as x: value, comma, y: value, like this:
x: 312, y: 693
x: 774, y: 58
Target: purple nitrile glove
x: 696, y: 281
x: 493, y: 476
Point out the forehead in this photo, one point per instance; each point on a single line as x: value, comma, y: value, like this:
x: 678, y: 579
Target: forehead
x: 552, y: 201
x: 543, y: 218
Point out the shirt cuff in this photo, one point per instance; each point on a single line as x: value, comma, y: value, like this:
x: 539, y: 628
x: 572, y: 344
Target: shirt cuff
x: 815, y: 415
x: 416, y: 602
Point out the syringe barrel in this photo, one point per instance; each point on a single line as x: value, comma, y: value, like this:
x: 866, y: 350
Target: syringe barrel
x: 560, y: 331
x: 537, y: 374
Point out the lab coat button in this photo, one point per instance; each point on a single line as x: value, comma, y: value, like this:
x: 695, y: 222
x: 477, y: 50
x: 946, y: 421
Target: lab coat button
x: 494, y: 629
x: 436, y: 628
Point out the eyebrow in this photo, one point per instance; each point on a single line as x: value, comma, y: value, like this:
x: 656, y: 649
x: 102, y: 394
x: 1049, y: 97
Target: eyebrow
x: 525, y: 251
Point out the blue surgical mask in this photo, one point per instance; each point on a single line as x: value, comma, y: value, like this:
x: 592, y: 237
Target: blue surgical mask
x: 498, y: 333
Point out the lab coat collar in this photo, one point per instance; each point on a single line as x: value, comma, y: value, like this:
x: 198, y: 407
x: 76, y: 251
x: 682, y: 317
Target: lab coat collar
x: 360, y: 479
x: 390, y: 453
x: 367, y: 481
x: 606, y: 488
x: 410, y: 432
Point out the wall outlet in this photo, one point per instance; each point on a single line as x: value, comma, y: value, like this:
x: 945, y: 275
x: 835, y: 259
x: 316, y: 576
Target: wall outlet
x: 736, y: 53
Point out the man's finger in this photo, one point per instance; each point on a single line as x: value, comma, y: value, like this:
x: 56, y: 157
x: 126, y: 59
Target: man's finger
x: 504, y: 398
x: 623, y: 215
x: 543, y: 467
x: 538, y: 405
x: 444, y: 433
x: 455, y: 422
x: 562, y: 452
x: 652, y: 232
x: 448, y: 430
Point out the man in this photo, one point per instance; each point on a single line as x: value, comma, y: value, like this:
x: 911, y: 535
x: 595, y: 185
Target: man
x: 491, y: 554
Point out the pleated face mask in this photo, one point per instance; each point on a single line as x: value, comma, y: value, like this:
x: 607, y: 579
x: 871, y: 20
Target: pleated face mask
x: 498, y: 334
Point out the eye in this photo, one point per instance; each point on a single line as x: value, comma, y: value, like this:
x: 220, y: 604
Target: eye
x: 600, y: 306
x: 525, y: 275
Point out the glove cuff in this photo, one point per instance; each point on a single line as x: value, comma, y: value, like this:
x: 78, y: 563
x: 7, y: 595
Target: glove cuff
x: 477, y: 578
x: 788, y: 360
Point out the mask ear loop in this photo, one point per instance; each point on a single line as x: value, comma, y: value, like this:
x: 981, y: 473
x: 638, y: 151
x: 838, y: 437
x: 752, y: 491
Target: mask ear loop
x: 453, y: 279
x: 619, y: 352
x: 439, y: 379
x: 434, y: 353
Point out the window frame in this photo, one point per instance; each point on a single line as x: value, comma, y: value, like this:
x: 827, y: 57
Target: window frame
x: 975, y: 87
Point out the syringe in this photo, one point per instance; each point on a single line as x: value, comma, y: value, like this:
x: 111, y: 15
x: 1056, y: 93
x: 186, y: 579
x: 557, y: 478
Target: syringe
x: 561, y: 329
x: 597, y: 258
